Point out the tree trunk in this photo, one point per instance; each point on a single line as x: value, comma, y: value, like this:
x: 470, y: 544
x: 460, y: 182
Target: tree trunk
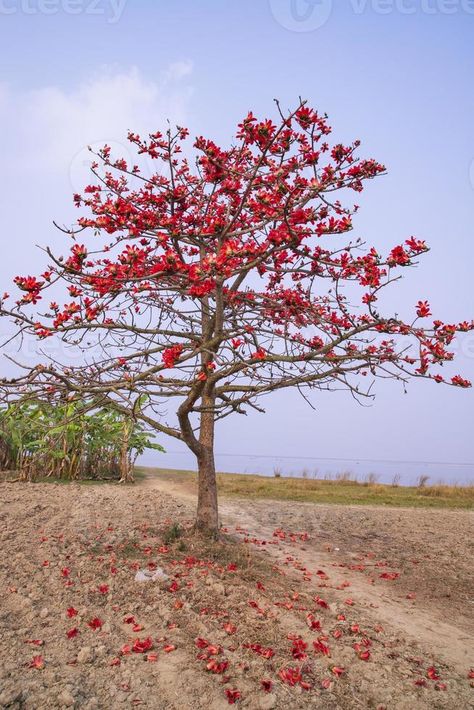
x: 207, y: 520
x: 126, y: 475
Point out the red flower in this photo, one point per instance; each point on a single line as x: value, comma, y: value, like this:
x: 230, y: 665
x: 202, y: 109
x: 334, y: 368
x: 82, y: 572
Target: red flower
x: 267, y: 685
x: 432, y: 673
x: 233, y: 695
x: 72, y: 633
x: 142, y: 646
x: 460, y: 381
x: 37, y: 662
x: 95, y: 623
x: 229, y: 628
x: 313, y: 623
x: 321, y: 603
x: 260, y: 650
x: 423, y: 309
x: 290, y: 676
x: 298, y: 650
x: 215, y: 666
x: 416, y: 245
x: 103, y: 588
x: 71, y: 612
x: 321, y: 647
x: 171, y: 355
x: 389, y: 575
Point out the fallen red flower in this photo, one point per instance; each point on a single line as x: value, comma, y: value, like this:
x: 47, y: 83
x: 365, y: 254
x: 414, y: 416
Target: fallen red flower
x: 72, y: 633
x: 37, y: 662
x: 71, y: 612
x: 389, y: 575
x: 313, y: 623
x: 260, y: 650
x: 321, y: 603
x: 432, y: 673
x: 201, y: 643
x: 95, y: 623
x: 290, y: 676
x: 298, y: 650
x: 233, y: 695
x: 267, y: 685
x: 229, y: 628
x: 142, y: 646
x: 215, y: 666
x: 320, y: 647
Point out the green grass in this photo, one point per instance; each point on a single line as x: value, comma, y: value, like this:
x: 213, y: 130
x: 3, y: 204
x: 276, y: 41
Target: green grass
x: 342, y: 492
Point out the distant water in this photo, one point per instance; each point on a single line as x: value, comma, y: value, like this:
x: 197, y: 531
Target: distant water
x: 406, y: 473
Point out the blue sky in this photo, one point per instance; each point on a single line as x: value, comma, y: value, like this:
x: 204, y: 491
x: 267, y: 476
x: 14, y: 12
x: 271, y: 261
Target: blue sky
x: 397, y: 75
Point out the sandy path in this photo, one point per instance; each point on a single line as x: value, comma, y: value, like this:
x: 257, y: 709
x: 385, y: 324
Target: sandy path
x: 442, y: 625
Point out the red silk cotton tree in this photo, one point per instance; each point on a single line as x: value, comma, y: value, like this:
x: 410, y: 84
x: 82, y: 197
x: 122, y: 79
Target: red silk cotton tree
x: 213, y: 282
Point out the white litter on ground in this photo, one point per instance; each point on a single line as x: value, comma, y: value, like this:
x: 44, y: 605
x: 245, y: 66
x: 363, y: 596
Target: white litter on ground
x: 147, y: 575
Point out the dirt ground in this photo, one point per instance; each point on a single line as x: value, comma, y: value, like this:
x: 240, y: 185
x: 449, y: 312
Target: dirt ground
x: 330, y: 606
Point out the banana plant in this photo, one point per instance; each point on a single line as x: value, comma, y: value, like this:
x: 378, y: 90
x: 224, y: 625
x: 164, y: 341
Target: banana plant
x: 70, y: 440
